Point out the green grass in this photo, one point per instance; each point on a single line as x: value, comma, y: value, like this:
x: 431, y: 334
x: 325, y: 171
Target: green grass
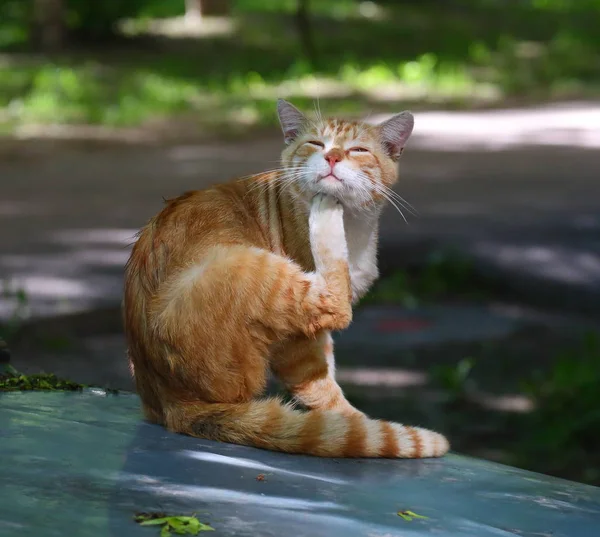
x: 563, y: 433
x: 12, y: 381
x: 393, y: 56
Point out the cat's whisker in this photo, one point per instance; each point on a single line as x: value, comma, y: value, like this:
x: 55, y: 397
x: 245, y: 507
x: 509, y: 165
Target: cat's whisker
x: 392, y: 200
x: 317, y: 106
x: 393, y: 203
x: 405, y: 204
x: 385, y: 193
x: 253, y: 175
x: 267, y: 172
x: 280, y: 174
x: 286, y: 184
x: 381, y: 188
x: 402, y: 202
x: 392, y: 191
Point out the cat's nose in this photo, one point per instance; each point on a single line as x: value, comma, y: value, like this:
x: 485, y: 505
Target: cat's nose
x: 333, y: 156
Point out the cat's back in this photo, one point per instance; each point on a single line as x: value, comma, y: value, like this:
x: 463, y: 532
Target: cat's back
x: 190, y: 225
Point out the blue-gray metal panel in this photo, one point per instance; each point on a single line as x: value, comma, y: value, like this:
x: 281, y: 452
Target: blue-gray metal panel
x: 81, y: 464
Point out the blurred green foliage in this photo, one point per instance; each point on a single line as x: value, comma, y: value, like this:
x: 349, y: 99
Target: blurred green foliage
x: 18, y: 301
x: 85, y: 19
x: 371, y: 56
x: 446, y: 275
x: 563, y: 433
x: 11, y: 381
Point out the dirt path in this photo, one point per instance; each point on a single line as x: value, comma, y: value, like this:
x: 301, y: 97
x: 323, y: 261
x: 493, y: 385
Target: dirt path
x: 67, y: 215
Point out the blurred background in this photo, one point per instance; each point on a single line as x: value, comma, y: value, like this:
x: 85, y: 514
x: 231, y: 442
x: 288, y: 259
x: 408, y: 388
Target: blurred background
x: 485, y: 322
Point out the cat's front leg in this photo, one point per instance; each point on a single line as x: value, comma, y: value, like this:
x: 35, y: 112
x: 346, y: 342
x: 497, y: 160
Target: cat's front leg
x: 330, y: 254
x: 327, y: 234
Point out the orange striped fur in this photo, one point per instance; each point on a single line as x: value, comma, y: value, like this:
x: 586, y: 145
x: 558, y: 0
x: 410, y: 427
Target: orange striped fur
x: 228, y: 283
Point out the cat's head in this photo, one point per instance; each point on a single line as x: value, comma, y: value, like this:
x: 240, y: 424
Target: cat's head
x: 353, y: 161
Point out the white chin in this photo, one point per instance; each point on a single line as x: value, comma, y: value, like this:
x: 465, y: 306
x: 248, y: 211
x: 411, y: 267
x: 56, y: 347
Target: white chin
x: 336, y: 188
x: 329, y: 185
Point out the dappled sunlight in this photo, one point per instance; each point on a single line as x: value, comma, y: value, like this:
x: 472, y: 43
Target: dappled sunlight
x: 72, y: 261
x: 516, y: 403
x: 49, y: 294
x: 391, y: 378
x: 574, y: 125
x: 47, y: 286
x: 255, y: 465
x: 239, y: 497
x: 551, y: 261
x: 123, y: 237
x: 85, y: 271
x: 368, y: 55
x: 179, y: 27
x: 100, y: 257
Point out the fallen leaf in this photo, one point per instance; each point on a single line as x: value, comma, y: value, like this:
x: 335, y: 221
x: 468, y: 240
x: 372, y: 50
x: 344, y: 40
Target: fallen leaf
x: 409, y: 515
x: 181, y: 525
x: 155, y: 521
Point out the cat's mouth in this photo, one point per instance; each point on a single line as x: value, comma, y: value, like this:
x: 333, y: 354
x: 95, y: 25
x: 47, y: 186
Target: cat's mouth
x: 329, y: 177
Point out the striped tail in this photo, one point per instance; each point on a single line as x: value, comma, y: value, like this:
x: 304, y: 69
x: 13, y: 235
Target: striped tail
x: 269, y: 424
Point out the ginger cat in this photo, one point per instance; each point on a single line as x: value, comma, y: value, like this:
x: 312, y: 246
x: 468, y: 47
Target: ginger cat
x: 227, y: 283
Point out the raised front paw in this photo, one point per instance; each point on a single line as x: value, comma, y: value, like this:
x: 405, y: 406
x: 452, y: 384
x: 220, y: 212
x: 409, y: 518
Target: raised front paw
x: 329, y: 321
x: 327, y: 309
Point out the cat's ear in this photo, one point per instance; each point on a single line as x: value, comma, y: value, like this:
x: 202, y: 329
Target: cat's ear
x: 395, y: 132
x: 291, y: 120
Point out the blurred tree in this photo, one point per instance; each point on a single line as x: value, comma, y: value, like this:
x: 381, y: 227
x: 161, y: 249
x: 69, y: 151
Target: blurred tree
x: 196, y: 9
x: 95, y: 20
x: 48, y: 25
x: 304, y: 27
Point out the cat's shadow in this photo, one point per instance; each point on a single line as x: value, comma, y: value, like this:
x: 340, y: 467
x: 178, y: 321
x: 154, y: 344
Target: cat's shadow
x: 181, y: 475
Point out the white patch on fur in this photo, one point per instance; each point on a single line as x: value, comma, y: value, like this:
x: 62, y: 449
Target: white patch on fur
x: 181, y: 285
x: 330, y: 357
x: 406, y: 446
x: 433, y: 444
x: 326, y: 225
x: 190, y: 276
x: 318, y: 285
x: 427, y: 442
x: 292, y: 424
x: 374, y: 437
x: 335, y: 430
x: 318, y: 395
x: 361, y: 236
x: 355, y: 240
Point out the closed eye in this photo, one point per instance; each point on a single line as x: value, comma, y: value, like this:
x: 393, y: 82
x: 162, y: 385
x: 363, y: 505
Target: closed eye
x: 316, y: 143
x: 359, y: 149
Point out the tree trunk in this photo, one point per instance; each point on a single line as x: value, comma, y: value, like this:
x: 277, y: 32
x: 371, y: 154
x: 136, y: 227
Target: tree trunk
x: 304, y: 28
x: 196, y: 9
x: 48, y: 25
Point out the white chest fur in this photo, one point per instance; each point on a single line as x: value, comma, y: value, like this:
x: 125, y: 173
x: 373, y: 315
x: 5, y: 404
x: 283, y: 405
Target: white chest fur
x: 361, y: 237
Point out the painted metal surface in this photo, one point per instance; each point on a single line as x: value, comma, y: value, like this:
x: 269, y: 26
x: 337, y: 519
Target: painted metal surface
x: 83, y: 464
